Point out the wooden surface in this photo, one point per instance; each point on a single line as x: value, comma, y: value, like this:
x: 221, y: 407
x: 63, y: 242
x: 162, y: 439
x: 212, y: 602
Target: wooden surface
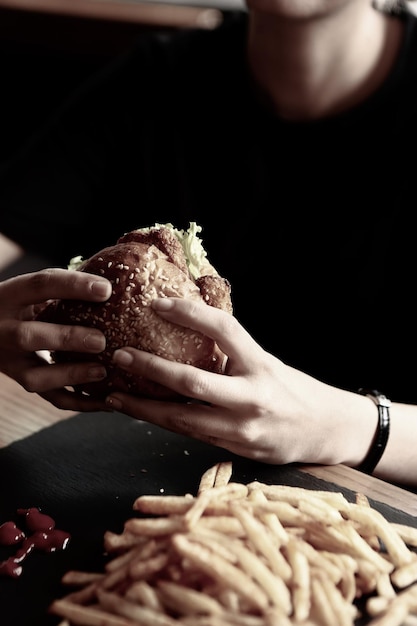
x: 23, y: 413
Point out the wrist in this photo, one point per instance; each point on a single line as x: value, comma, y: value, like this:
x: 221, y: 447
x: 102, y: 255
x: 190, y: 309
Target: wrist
x: 351, y: 424
x: 354, y: 420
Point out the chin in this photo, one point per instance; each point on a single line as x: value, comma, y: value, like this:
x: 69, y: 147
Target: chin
x: 299, y: 10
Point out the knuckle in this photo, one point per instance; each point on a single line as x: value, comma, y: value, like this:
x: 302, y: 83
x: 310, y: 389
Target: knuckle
x: 74, y: 374
x: 72, y: 338
x: 248, y: 433
x: 228, y: 325
x: 46, y: 279
x: 40, y: 280
x: 29, y: 380
x: 150, y: 365
x: 62, y: 399
x: 194, y: 383
x: 19, y: 336
x: 179, y: 420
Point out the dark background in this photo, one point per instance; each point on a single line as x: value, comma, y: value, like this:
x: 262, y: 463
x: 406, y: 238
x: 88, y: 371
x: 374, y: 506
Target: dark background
x: 43, y: 57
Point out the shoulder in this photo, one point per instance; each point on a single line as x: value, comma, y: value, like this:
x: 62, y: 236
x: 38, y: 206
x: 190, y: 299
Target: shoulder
x: 409, y: 18
x: 400, y: 89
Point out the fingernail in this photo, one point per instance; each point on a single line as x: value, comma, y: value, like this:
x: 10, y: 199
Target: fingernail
x: 162, y: 304
x: 123, y: 358
x: 97, y: 373
x: 101, y: 288
x: 96, y: 342
x: 114, y: 404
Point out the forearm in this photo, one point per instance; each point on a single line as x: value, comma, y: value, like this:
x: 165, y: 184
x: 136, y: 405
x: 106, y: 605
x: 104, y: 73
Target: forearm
x: 9, y: 252
x: 342, y: 426
x: 358, y: 420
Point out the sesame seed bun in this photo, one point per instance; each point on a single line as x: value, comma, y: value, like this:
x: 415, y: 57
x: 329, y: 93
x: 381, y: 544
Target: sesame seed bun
x: 143, y: 265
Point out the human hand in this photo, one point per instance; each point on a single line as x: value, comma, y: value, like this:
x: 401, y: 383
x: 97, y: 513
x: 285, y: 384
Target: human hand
x: 22, y: 338
x: 260, y: 409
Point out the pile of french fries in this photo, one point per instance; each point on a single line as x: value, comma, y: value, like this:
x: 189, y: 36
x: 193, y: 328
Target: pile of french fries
x: 249, y: 555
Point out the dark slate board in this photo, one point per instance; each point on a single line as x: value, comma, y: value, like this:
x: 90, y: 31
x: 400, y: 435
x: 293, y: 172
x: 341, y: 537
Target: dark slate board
x: 86, y: 472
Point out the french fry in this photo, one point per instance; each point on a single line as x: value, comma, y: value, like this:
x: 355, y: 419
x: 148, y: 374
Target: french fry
x: 294, y: 495
x: 231, y: 490
x: 407, y: 533
x: 189, y: 601
x: 249, y: 555
x: 271, y: 520
x: 114, y: 542
x: 322, y: 610
x: 255, y: 531
x: 87, y: 616
x: 406, y: 574
x: 394, y: 615
x: 155, y: 527
x: 222, y: 570
x: 81, y: 578
x: 216, y: 476
x: 300, y: 580
x: 143, y: 593
x: 115, y: 604
x: 372, y: 539
x: 139, y: 569
x: 377, y: 524
x: 163, y: 505
x: 223, y: 474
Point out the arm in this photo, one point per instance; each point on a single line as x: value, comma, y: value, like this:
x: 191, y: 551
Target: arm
x: 264, y: 409
x: 9, y: 252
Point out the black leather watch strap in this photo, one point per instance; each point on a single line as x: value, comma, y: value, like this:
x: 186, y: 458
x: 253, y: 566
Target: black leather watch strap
x: 382, y: 432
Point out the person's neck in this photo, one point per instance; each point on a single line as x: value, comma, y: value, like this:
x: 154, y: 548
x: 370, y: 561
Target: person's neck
x: 309, y: 69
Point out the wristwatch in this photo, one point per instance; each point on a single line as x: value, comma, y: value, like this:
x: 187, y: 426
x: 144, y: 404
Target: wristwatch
x: 382, y: 432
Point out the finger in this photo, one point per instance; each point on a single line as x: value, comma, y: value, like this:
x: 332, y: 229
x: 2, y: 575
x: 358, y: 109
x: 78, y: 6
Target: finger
x: 205, y: 423
x: 196, y: 420
x: 186, y: 380
x: 219, y: 325
x: 37, y: 375
x: 47, y: 284
x: 32, y: 336
x: 67, y: 400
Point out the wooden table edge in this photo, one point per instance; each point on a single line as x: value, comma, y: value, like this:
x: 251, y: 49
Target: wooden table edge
x: 375, y: 488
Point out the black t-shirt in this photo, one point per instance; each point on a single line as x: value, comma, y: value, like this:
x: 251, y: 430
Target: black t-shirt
x: 312, y: 223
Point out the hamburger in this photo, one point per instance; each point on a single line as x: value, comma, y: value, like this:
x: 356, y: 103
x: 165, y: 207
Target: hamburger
x: 157, y: 261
